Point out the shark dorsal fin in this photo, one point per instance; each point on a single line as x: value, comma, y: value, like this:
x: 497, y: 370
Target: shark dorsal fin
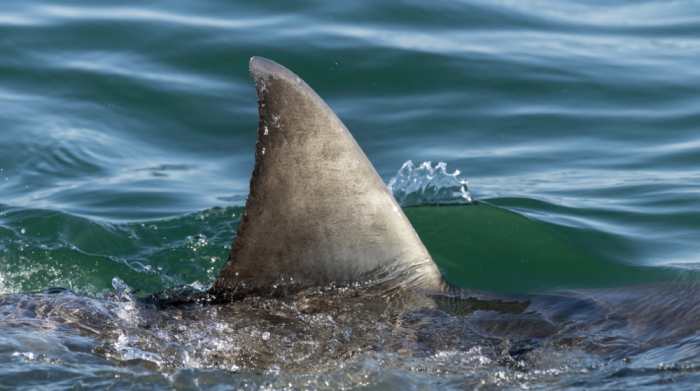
x: 318, y: 213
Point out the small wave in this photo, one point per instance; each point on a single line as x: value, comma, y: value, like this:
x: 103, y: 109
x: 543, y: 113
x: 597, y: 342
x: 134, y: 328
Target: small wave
x: 427, y: 184
x: 149, y: 15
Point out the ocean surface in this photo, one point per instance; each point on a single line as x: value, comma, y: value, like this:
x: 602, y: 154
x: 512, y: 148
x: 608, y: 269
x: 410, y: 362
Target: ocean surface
x: 127, y: 135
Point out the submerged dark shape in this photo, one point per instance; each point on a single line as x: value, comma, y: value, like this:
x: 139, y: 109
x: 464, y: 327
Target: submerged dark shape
x: 318, y: 213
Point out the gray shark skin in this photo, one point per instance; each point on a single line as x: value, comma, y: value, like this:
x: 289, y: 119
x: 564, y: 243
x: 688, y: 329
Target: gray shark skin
x: 318, y: 213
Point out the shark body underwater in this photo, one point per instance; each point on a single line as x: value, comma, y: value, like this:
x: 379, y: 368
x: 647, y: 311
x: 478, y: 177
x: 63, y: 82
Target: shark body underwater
x: 326, y: 272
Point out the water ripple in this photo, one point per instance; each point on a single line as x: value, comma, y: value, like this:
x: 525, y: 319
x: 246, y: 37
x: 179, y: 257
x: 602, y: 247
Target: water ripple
x: 151, y: 16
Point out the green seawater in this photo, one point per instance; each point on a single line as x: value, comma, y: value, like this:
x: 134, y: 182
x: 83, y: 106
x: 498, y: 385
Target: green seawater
x: 127, y: 133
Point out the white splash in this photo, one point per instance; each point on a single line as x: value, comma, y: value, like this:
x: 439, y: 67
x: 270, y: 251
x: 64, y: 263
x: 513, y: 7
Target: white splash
x: 3, y: 286
x: 428, y: 184
x: 7, y: 284
x: 126, y: 309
